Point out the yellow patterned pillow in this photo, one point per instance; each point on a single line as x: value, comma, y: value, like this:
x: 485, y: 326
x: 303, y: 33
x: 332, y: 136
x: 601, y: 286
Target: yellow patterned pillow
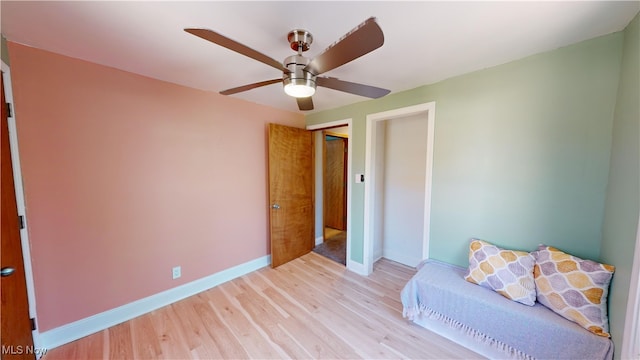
x: 508, y: 272
x: 574, y: 288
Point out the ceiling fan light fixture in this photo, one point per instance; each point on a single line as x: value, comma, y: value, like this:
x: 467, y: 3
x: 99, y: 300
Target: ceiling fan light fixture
x: 299, y: 88
x: 298, y: 82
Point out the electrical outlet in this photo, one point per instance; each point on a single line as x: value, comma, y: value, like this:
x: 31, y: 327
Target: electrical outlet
x: 176, y: 272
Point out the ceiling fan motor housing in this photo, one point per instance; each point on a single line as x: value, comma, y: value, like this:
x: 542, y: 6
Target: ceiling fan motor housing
x: 297, y: 77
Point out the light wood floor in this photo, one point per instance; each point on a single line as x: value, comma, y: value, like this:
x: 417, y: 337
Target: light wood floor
x: 311, y: 307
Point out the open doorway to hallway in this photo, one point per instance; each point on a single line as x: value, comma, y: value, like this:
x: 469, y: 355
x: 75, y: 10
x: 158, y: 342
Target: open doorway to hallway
x: 331, y: 193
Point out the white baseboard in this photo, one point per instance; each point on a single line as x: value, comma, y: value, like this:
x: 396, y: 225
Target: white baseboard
x: 356, y: 267
x: 319, y: 240
x: 408, y: 259
x: 87, y: 326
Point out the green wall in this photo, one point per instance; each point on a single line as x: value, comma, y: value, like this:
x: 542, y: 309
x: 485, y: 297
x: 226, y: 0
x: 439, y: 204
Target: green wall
x: 521, y: 152
x: 623, y: 193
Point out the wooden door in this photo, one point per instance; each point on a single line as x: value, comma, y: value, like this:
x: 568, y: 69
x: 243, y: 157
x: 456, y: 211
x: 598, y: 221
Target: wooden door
x: 335, y: 179
x: 291, y: 219
x: 17, y: 342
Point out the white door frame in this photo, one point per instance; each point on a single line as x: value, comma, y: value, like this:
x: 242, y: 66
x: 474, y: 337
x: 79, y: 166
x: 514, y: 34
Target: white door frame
x: 17, y: 180
x: 351, y: 265
x: 427, y: 112
x: 631, y: 336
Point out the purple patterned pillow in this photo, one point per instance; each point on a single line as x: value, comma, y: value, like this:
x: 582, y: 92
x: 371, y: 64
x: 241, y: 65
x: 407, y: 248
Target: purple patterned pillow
x: 574, y: 288
x: 507, y: 272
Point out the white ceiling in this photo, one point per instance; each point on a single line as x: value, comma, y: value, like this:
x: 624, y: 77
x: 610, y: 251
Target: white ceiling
x: 425, y: 41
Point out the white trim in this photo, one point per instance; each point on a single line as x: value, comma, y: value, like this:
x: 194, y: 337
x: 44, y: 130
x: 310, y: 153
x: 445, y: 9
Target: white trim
x: 81, y: 328
x: 351, y: 265
x: 356, y: 267
x: 319, y: 240
x: 631, y: 337
x: 428, y: 109
x: 19, y: 190
x: 329, y: 124
x: 431, y: 127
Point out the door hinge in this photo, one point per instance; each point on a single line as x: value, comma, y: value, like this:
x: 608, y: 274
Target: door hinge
x: 33, y: 324
x: 21, y: 221
x: 9, y: 112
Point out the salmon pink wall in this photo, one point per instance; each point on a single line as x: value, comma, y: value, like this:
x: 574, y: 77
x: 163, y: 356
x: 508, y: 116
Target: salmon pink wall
x: 127, y: 176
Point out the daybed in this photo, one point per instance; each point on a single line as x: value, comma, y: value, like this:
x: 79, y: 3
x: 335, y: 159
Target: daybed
x: 438, y: 297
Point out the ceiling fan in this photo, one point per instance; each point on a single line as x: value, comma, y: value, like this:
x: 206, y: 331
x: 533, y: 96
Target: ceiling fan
x: 300, y: 75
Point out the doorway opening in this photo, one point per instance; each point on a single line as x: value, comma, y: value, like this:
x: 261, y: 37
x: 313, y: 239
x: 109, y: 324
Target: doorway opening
x: 333, y: 177
x: 398, y: 168
x: 332, y: 171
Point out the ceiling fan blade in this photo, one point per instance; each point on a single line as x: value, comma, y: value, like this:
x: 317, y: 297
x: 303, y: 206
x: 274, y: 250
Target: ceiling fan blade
x: 233, y: 45
x: 249, y: 86
x: 353, y: 88
x: 365, y: 38
x: 305, y: 103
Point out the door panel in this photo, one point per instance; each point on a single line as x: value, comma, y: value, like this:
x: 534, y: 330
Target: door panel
x: 17, y: 342
x: 334, y: 183
x: 291, y: 209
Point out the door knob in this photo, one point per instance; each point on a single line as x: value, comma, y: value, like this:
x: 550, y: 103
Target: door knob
x: 275, y: 206
x: 6, y: 271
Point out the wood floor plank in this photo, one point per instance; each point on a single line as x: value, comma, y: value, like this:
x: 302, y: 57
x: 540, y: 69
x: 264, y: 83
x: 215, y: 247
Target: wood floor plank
x: 256, y: 285
x: 337, y: 348
x: 194, y: 330
x: 368, y: 315
x: 120, y: 344
x: 314, y: 336
x: 353, y: 278
x: 314, y: 329
x: 253, y: 341
x: 91, y: 347
x: 225, y: 341
x: 367, y: 320
x: 171, y: 340
x: 94, y: 346
x: 311, y: 307
x: 269, y: 320
x: 144, y: 339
